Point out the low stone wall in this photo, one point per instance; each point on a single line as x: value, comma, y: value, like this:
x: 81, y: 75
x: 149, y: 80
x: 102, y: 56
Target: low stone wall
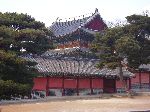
x: 61, y: 98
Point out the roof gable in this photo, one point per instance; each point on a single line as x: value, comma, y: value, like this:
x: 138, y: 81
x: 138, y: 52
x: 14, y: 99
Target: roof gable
x: 94, y: 23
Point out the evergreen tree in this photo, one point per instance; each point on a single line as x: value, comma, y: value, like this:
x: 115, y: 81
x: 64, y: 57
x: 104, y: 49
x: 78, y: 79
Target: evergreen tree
x: 113, y: 46
x: 20, y: 32
x: 139, y: 28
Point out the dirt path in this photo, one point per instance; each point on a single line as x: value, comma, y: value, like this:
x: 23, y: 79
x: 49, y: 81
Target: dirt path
x: 93, y: 105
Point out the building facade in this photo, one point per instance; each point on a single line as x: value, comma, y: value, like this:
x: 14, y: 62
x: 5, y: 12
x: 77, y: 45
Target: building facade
x: 70, y: 69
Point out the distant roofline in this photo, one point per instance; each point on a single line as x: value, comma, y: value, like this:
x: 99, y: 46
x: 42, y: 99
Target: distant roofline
x: 63, y: 28
x: 60, y: 20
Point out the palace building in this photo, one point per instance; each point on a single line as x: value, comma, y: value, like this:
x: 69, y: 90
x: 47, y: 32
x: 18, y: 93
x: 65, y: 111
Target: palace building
x: 70, y: 69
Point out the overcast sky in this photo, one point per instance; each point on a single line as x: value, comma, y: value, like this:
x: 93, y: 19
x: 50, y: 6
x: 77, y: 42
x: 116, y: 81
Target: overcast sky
x: 48, y: 10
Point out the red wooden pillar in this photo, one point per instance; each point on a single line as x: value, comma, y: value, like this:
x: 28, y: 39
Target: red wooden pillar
x: 129, y: 83
x: 149, y: 79
x: 103, y: 84
x: 63, y: 90
x: 77, y: 86
x: 115, y: 84
x: 91, y: 85
x: 140, y: 78
x: 47, y: 88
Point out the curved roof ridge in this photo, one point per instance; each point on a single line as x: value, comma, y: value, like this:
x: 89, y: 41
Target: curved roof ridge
x: 75, y: 67
x: 64, y: 28
x: 92, y: 17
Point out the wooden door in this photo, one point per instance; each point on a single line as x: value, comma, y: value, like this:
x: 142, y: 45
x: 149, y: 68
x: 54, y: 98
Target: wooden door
x: 109, y: 86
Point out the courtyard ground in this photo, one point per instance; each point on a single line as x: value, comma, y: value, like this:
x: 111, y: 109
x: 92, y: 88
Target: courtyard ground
x: 136, y: 104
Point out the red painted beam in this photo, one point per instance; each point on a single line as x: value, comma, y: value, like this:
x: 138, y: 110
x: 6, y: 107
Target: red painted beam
x: 140, y: 78
x: 63, y: 90
x: 129, y: 83
x: 77, y: 86
x: 47, y: 86
x: 91, y: 85
x: 149, y: 78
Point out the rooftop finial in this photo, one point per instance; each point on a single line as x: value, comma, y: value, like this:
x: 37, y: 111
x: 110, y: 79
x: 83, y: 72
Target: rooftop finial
x: 57, y: 19
x: 96, y: 10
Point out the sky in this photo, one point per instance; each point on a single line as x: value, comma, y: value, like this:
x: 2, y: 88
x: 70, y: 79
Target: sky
x: 48, y: 11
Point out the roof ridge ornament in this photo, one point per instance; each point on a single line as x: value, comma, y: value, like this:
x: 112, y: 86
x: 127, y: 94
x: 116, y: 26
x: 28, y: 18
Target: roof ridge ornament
x: 96, y: 10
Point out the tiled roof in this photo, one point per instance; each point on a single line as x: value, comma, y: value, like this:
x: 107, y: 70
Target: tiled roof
x: 145, y: 67
x: 68, y: 27
x: 74, y: 67
x: 75, y: 52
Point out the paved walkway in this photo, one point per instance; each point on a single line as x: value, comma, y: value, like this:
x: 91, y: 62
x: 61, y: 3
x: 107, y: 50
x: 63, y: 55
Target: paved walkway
x: 104, y: 104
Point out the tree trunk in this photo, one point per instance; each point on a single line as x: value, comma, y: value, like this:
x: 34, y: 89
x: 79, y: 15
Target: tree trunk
x: 122, y: 79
